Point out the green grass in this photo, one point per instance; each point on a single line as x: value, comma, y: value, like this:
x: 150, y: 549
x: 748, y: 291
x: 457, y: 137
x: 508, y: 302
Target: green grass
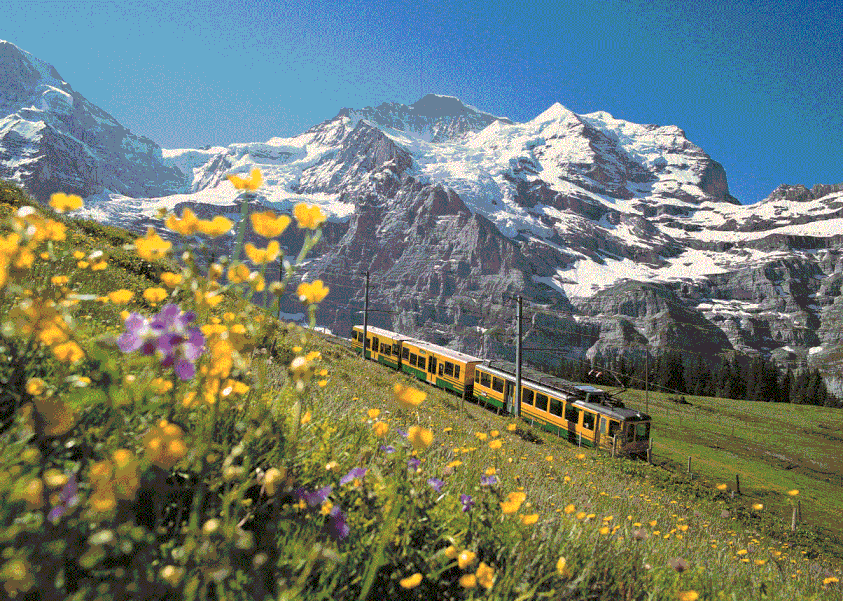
x: 209, y: 527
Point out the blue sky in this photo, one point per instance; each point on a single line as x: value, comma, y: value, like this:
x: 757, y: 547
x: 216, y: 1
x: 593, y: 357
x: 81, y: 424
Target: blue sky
x: 756, y: 84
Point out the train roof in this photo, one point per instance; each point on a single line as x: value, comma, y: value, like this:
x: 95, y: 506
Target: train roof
x: 619, y: 413
x: 383, y: 332
x: 534, y: 375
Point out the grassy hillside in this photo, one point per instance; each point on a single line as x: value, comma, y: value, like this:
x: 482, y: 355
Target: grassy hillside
x: 286, y: 467
x: 771, y: 447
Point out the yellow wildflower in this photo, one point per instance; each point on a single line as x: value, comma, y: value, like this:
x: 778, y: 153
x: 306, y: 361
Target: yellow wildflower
x: 308, y: 216
x: 170, y: 279
x: 268, y: 225
x: 451, y: 552
x: 688, y: 596
x: 272, y: 479
x: 495, y: 444
x: 35, y: 386
x: 312, y: 293
x: 529, y: 520
x: 252, y: 183
x: 380, y: 429
x: 468, y: 581
x: 68, y: 352
x: 239, y: 273
x: 120, y: 297
x: 407, y: 397
x: 217, y: 226
x: 186, y: 226
x: 62, y: 202
x: 481, y: 435
x: 513, y: 502
x: 562, y: 568
x: 570, y: 508
x: 722, y: 487
x: 59, y: 280
x: 793, y: 492
x: 152, y: 246
x: 373, y: 413
x: 758, y: 506
x: 99, y: 265
x: 466, y: 558
x: 164, y: 444
x: 259, y: 256
x: 411, y: 581
x: 155, y: 295
x: 485, y: 575
x: 511, y: 427
x: 419, y: 437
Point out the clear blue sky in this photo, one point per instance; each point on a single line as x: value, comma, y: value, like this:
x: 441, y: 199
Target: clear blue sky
x: 758, y: 85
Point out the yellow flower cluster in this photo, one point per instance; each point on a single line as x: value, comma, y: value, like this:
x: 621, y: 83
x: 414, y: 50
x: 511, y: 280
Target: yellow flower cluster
x: 114, y: 479
x: 513, y: 502
x: 39, y: 318
x: 164, y: 444
x: 17, y: 249
x: 484, y: 575
x: 188, y: 224
x: 252, y: 183
x: 420, y: 438
x: 152, y: 246
x: 259, y: 256
x: 62, y: 202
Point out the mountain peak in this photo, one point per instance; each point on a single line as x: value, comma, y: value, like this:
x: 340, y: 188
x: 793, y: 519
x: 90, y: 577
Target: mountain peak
x: 556, y: 112
x: 435, y: 105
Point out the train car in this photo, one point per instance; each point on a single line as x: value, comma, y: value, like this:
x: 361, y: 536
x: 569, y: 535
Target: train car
x: 439, y: 366
x: 436, y: 365
x: 382, y: 345
x: 585, y: 415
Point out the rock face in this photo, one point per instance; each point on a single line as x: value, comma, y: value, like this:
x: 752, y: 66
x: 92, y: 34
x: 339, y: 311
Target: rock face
x: 53, y: 140
x: 618, y: 235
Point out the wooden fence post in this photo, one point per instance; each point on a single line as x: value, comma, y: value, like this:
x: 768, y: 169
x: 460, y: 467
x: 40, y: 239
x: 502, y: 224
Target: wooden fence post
x: 737, y: 483
x: 793, y: 520
x: 689, y: 464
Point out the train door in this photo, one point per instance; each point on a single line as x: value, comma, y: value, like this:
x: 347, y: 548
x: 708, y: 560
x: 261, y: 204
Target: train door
x: 508, y: 396
x: 597, y: 423
x: 431, y: 369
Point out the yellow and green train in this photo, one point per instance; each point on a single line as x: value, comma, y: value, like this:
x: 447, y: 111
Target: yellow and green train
x: 585, y: 415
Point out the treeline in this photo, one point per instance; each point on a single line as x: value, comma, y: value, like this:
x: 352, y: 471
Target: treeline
x: 734, y: 377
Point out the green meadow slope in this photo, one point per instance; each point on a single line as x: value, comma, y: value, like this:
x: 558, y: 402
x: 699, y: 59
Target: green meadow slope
x: 321, y: 482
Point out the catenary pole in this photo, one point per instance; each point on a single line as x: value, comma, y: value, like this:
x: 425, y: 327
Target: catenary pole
x: 516, y: 405
x: 366, y: 316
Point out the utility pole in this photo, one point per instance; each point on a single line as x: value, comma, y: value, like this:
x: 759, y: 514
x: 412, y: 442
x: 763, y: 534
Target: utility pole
x: 647, y: 379
x: 366, y: 316
x: 516, y: 405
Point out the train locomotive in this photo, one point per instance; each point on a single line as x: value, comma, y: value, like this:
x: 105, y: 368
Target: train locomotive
x: 584, y: 415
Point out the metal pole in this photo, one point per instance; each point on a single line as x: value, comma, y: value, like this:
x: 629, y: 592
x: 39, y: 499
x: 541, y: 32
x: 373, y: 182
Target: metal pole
x: 517, y: 404
x: 366, y: 316
x: 646, y: 380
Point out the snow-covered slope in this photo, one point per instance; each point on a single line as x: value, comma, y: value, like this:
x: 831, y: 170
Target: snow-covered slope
x: 52, y: 139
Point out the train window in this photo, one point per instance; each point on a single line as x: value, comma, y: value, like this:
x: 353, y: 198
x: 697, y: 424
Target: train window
x: 375, y: 344
x: 556, y: 406
x: 485, y: 380
x: 613, y: 427
x: 354, y: 334
x: 541, y: 402
x: 395, y: 349
x: 588, y: 420
x: 497, y: 384
x: 405, y: 353
x: 456, y: 371
x: 368, y: 342
x: 476, y: 377
x: 441, y: 369
x: 571, y: 413
x: 423, y: 362
x: 414, y: 359
x: 630, y: 432
x: 527, y: 397
x: 384, y: 349
x: 449, y: 368
x: 642, y: 431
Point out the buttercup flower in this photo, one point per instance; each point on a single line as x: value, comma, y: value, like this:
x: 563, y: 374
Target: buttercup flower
x: 419, y: 437
x: 485, y: 575
x: 62, y: 202
x: 408, y: 398
x: 259, y: 256
x: 217, y: 226
x: 152, y: 246
x: 308, y: 216
x: 251, y: 184
x: 186, y: 226
x: 268, y: 224
x: 312, y: 293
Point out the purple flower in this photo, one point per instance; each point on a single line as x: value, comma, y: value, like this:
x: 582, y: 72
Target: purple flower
x: 337, y: 527
x: 467, y: 503
x: 353, y: 474
x: 313, y: 498
x: 388, y: 449
x: 401, y: 432
x: 488, y: 480
x: 68, y: 499
x: 436, y: 484
x: 167, y: 333
x: 413, y: 464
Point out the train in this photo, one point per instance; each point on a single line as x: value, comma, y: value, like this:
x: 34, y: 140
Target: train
x: 584, y: 415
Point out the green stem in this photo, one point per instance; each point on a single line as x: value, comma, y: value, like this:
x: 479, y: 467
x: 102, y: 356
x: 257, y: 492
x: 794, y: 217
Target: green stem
x: 241, y: 227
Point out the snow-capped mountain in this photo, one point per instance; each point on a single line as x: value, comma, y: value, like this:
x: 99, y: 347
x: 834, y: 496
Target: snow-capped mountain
x: 617, y: 233
x: 52, y: 139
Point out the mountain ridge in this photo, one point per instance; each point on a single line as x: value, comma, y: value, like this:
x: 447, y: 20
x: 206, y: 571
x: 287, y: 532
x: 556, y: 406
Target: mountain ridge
x: 453, y: 210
